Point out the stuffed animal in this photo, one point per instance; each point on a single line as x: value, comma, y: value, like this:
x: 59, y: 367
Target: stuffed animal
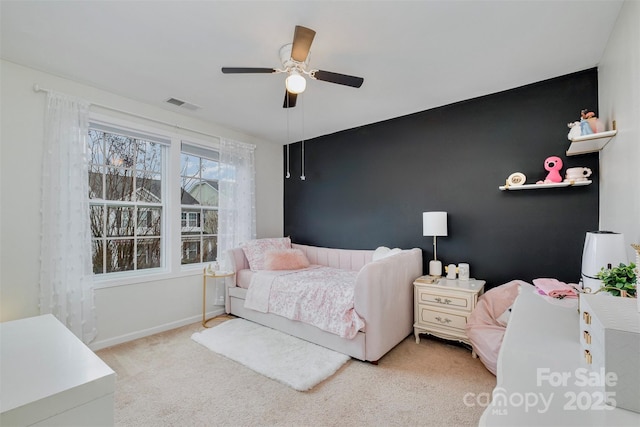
x: 553, y: 165
x: 587, y: 125
x: 574, y: 130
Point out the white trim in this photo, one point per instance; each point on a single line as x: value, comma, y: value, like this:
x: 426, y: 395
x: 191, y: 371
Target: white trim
x: 125, y: 278
x: 98, y: 345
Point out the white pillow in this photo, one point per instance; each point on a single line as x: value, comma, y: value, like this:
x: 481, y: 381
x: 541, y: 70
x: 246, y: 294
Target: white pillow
x: 383, y: 252
x: 254, y: 250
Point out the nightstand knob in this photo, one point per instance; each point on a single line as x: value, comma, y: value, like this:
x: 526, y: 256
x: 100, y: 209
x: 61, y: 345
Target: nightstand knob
x: 441, y: 320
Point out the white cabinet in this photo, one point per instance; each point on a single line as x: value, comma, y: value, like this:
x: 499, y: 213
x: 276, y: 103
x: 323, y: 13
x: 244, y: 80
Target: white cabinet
x: 610, y: 343
x: 442, y: 308
x: 543, y: 378
x: 49, y: 377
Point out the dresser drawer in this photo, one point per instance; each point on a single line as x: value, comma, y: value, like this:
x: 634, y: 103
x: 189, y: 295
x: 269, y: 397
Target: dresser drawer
x: 450, y: 298
x: 430, y: 316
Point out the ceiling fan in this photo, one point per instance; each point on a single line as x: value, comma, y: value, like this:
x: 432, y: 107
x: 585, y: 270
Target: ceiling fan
x: 295, y: 61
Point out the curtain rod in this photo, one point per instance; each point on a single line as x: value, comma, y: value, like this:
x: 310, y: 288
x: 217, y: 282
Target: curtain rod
x: 37, y: 88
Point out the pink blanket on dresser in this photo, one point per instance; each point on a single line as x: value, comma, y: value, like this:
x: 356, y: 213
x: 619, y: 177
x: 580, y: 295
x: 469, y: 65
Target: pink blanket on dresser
x: 320, y: 296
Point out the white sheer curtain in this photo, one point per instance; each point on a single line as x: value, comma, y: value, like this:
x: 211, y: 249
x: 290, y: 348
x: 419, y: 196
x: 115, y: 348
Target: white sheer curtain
x: 66, y: 276
x: 237, y: 203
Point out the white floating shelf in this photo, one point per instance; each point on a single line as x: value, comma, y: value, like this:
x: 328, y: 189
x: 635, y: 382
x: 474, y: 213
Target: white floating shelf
x: 590, y: 143
x: 541, y: 186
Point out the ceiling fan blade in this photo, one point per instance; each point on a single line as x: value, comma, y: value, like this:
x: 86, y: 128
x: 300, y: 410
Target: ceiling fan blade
x: 341, y: 79
x: 245, y: 70
x: 302, y: 39
x: 289, y: 99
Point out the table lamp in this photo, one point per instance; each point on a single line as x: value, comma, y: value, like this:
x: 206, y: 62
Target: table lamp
x: 434, y: 224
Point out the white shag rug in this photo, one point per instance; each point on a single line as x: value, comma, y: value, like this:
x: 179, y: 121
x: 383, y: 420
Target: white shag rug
x: 290, y: 360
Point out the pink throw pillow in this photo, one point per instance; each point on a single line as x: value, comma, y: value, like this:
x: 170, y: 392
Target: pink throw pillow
x: 255, y: 250
x: 288, y: 259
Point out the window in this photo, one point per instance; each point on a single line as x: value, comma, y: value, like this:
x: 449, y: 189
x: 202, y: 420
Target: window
x: 199, y: 174
x: 126, y: 185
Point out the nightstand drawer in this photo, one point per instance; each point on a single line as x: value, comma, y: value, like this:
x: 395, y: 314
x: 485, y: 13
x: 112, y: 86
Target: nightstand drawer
x: 442, y: 318
x: 449, y: 298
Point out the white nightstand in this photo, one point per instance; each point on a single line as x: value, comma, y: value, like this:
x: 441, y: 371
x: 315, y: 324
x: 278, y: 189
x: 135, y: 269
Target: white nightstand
x: 442, y: 308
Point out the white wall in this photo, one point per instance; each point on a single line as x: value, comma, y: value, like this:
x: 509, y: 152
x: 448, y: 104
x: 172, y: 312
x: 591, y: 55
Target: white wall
x: 124, y: 312
x: 619, y: 98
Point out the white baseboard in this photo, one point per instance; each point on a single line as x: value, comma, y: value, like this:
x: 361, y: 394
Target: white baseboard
x: 99, y: 345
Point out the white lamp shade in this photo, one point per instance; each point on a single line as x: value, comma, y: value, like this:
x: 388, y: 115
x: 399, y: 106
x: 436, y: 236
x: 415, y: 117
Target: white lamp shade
x: 295, y: 83
x: 434, y: 223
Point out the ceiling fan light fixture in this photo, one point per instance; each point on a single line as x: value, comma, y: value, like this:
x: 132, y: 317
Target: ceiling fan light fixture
x: 295, y: 83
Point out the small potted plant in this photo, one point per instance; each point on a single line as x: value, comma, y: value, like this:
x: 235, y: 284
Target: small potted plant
x: 619, y: 281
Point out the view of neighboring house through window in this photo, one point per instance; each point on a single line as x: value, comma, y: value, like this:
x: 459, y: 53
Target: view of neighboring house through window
x: 126, y: 185
x: 199, y: 174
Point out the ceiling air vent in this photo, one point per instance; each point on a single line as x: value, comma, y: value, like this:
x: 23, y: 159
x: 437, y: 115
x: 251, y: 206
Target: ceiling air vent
x: 183, y: 104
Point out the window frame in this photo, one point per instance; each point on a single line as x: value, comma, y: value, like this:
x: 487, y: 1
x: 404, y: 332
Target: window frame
x: 198, y: 150
x: 171, y: 225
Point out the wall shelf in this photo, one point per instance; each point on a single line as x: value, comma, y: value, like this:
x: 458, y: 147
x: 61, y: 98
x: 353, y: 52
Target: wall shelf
x: 590, y: 143
x: 541, y: 186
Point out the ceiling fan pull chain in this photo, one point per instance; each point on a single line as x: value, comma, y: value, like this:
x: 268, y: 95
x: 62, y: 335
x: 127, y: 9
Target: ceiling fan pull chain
x: 288, y: 175
x: 302, y: 177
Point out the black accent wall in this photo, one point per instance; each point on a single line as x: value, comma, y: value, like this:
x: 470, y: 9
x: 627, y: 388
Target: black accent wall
x: 367, y: 187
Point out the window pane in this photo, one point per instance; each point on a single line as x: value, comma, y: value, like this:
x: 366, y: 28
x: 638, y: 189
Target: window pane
x: 148, y: 253
x: 98, y: 252
x: 194, y: 193
x: 209, y: 249
x: 120, y: 221
x: 126, y: 167
x: 149, y: 221
x: 209, y: 169
x: 210, y: 225
x: 96, y: 147
x: 120, y: 255
x: 148, y: 187
x: 96, y: 219
x: 190, y: 249
x: 118, y: 184
x: 149, y: 156
x: 191, y: 221
x: 95, y: 182
x: 189, y: 166
x: 185, y: 197
x: 208, y: 193
x: 121, y: 151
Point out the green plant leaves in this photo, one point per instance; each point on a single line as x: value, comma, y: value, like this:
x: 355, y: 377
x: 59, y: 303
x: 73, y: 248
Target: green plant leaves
x: 620, y: 278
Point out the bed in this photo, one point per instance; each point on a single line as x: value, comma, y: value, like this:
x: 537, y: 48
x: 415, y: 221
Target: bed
x: 370, y: 298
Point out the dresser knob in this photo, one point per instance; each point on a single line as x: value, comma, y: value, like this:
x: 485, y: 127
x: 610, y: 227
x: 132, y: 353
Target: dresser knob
x: 441, y: 320
x: 586, y: 317
x: 587, y: 337
x: 587, y: 357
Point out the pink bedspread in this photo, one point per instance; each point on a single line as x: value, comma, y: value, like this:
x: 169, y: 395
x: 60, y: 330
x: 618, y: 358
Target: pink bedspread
x: 320, y: 296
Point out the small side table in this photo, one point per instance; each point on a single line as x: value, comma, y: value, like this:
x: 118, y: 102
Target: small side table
x: 442, y: 308
x: 215, y: 276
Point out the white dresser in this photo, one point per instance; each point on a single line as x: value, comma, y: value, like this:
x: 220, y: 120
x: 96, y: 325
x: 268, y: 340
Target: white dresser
x: 543, y: 378
x: 49, y: 377
x: 610, y: 338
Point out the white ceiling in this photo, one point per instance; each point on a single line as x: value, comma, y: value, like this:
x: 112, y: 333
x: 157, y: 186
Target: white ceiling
x: 413, y: 55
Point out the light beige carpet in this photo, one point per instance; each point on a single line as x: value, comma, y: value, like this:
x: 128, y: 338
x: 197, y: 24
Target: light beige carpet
x: 282, y: 357
x: 170, y: 380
